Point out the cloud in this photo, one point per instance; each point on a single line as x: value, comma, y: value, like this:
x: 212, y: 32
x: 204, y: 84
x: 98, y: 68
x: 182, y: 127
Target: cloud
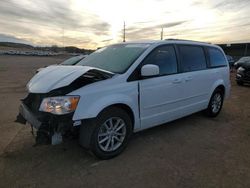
x: 90, y: 23
x: 51, y: 13
x: 231, y: 4
x: 150, y: 32
x: 172, y: 24
x: 49, y: 18
x: 197, y: 3
x: 107, y: 40
x: 9, y: 38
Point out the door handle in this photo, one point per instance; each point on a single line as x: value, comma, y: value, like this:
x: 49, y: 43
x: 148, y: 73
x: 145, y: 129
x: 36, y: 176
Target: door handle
x: 188, y: 78
x: 177, y: 81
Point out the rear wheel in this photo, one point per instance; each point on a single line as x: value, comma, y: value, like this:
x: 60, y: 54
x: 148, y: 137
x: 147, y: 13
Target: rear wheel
x: 109, y: 133
x: 215, y: 103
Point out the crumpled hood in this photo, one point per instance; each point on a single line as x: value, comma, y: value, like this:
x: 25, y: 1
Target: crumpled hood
x: 54, y: 77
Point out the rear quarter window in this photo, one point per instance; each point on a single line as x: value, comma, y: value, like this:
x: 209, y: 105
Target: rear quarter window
x: 192, y: 58
x: 216, y: 57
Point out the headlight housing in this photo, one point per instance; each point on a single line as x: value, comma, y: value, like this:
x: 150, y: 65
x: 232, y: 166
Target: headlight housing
x: 240, y: 69
x: 59, y: 105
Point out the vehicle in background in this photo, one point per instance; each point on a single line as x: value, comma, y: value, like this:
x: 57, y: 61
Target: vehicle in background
x: 125, y: 88
x: 243, y: 73
x: 71, y: 61
x: 230, y: 61
x: 241, y: 61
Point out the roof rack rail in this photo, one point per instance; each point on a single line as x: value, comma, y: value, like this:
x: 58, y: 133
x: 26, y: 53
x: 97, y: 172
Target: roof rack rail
x: 187, y: 40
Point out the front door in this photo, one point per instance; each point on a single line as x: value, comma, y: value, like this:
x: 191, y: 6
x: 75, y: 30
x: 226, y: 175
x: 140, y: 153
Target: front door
x: 161, y: 96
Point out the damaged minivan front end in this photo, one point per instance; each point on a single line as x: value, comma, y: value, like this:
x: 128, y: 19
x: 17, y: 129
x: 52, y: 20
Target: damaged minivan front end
x: 49, y: 107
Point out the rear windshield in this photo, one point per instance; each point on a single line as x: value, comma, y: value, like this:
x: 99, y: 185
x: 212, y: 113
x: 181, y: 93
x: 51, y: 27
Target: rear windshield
x: 217, y: 58
x: 116, y: 58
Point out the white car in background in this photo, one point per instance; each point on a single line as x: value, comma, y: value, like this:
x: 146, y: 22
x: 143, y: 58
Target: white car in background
x: 125, y: 88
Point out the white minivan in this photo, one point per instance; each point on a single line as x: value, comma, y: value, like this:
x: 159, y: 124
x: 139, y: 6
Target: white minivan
x: 125, y: 88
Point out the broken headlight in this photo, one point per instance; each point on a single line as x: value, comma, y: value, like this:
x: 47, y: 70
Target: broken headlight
x: 59, y: 105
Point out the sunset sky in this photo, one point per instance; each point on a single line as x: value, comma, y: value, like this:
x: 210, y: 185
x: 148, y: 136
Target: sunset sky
x: 95, y: 23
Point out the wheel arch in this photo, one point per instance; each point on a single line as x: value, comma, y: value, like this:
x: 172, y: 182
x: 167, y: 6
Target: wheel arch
x: 124, y: 107
x: 93, y: 109
x: 222, y: 88
x: 218, y: 84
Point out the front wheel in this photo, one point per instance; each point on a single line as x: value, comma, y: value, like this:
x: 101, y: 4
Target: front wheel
x: 215, y: 103
x: 110, y: 133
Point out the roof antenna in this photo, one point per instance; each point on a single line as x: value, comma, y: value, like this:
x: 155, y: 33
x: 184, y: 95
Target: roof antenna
x: 124, y: 34
x: 161, y: 33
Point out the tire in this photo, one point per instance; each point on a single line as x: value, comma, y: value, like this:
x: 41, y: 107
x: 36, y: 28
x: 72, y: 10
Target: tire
x: 108, y: 134
x: 215, y: 103
x: 240, y: 83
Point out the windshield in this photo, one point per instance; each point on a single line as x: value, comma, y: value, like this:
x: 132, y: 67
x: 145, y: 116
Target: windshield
x: 244, y: 59
x: 72, y: 60
x: 116, y: 58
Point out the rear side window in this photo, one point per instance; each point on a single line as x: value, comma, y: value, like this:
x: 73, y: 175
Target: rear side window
x: 165, y: 58
x: 216, y: 57
x: 192, y: 58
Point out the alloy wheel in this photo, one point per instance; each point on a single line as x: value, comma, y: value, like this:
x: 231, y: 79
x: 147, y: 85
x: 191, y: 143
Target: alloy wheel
x: 111, y: 134
x: 216, y: 102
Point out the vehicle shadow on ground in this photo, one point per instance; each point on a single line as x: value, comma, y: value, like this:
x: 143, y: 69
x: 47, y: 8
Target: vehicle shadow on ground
x: 22, y: 151
x: 24, y: 143
x: 27, y: 163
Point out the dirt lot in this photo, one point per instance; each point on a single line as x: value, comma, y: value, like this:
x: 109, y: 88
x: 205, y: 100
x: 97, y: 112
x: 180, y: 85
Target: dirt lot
x: 192, y: 152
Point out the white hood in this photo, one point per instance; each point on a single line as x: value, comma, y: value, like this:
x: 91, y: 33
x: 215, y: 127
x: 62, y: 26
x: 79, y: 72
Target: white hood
x: 54, y: 77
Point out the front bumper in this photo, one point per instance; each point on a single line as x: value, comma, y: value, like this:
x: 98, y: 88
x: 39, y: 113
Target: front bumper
x: 50, y: 128
x: 243, y: 77
x: 26, y: 115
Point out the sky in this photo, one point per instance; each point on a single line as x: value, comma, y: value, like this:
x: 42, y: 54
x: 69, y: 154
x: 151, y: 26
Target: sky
x: 96, y: 23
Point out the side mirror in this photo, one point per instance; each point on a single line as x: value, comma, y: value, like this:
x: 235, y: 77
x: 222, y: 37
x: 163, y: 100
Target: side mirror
x: 150, y: 70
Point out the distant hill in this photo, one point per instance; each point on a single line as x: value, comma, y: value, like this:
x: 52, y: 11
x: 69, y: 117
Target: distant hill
x: 15, y: 45
x: 54, y: 48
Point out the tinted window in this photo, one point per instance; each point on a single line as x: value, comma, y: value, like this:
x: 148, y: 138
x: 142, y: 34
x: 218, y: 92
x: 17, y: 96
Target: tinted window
x: 192, y: 58
x: 216, y: 57
x: 165, y: 58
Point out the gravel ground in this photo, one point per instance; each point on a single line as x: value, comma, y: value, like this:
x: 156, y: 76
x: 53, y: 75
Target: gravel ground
x: 194, y: 151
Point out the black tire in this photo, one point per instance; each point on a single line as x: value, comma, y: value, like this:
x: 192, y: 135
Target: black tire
x: 240, y: 83
x: 90, y: 129
x: 210, y: 110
